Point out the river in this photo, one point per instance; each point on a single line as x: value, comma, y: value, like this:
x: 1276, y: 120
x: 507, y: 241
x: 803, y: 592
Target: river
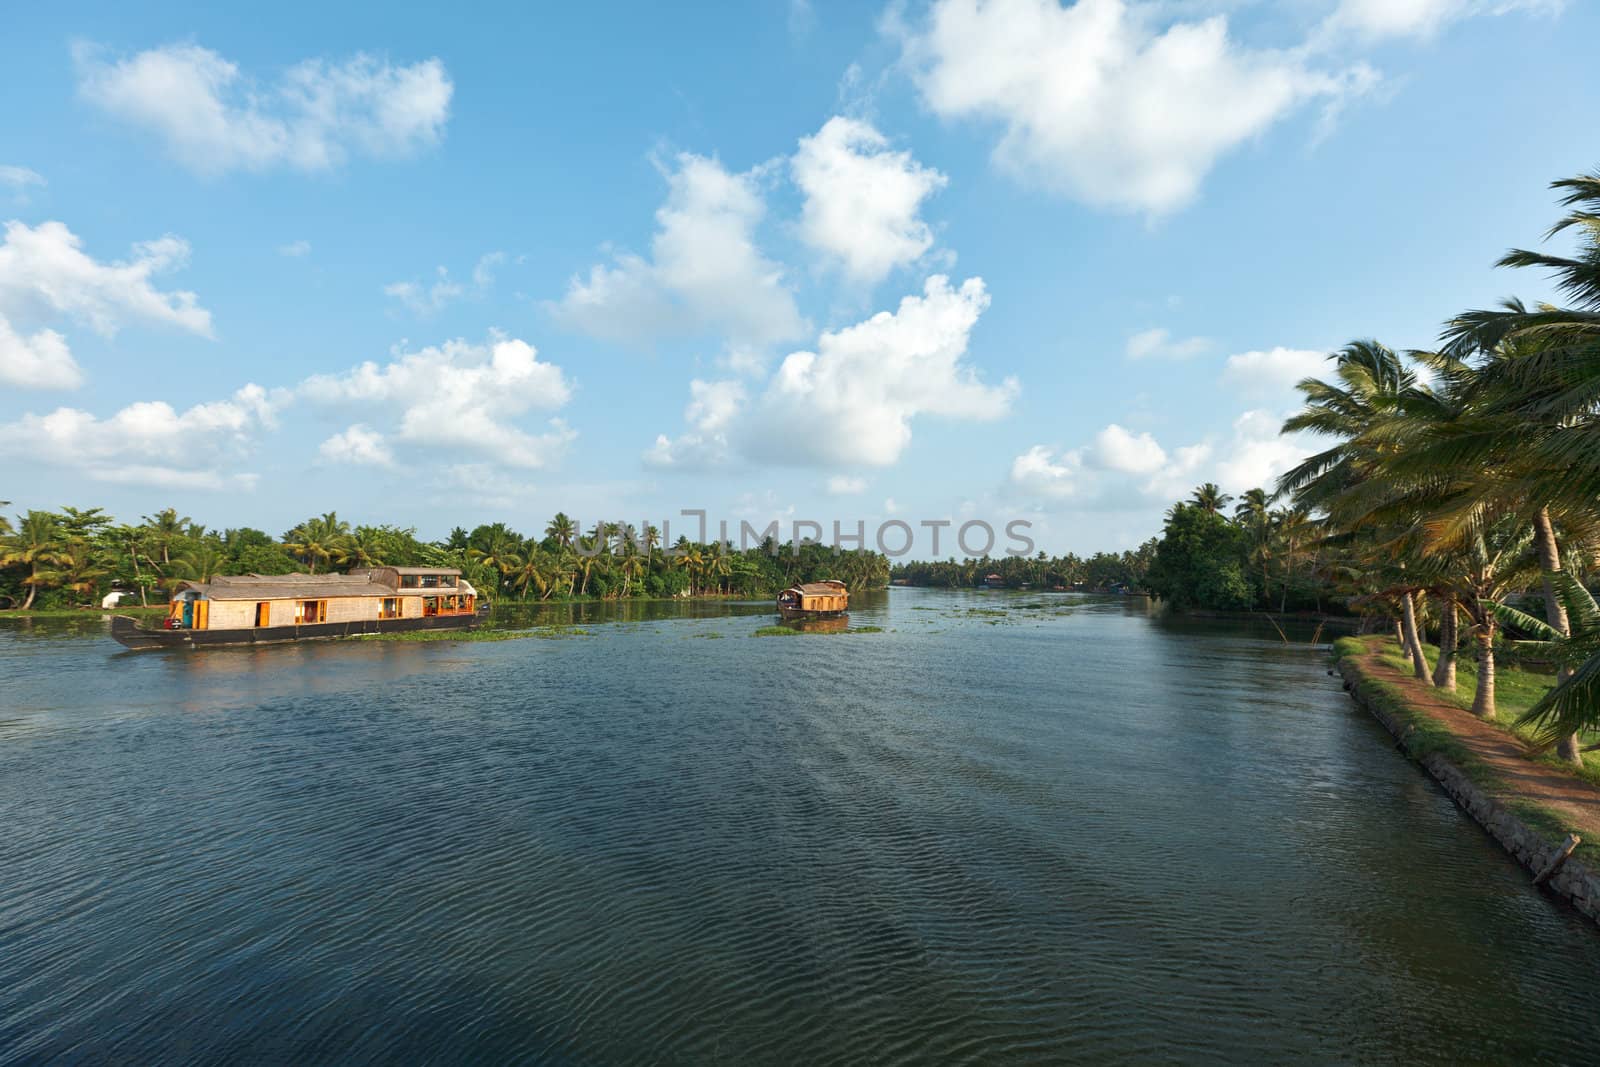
x: 1007, y: 828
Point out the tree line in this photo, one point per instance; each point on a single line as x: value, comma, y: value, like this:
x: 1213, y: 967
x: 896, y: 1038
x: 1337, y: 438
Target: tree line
x: 1459, y: 495
x: 73, y: 557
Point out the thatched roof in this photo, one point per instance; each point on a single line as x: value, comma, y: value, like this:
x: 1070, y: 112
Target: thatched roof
x: 290, y: 586
x: 828, y: 588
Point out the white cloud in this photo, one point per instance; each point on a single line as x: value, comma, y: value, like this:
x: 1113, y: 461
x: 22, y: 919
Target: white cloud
x: 149, y: 442
x: 18, y: 179
x: 1269, y: 374
x: 295, y: 249
x: 862, y: 201
x: 425, y: 299
x: 358, y: 445
x: 1120, y: 450
x: 1157, y: 343
x: 841, y: 485
x: 39, y: 361
x: 1378, y: 19
x: 1108, y: 101
x: 1042, y: 471
x: 852, y: 401
x: 318, y: 114
x: 704, y: 274
x: 460, y: 396
x: 44, y: 269
x: 712, y: 409
x: 1123, y: 470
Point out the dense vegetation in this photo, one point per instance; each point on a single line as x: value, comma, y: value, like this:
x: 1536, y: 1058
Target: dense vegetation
x: 1457, y: 479
x: 73, y: 557
x: 1102, y: 571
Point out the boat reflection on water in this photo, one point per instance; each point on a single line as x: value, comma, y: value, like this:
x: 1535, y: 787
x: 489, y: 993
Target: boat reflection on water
x: 829, y: 624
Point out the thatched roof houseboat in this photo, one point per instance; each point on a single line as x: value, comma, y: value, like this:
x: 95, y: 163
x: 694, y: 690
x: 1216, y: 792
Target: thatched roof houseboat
x: 814, y: 599
x: 262, y: 608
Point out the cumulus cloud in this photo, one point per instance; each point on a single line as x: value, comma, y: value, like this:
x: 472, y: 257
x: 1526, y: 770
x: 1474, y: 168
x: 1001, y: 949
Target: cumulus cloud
x: 1272, y: 373
x: 1108, y: 101
x: 45, y: 274
x: 359, y: 446
x: 1043, y: 471
x: 1121, y: 469
x: 852, y: 401
x: 713, y: 408
x: 704, y: 273
x: 44, y: 269
x: 425, y: 299
x: 39, y: 361
x: 1157, y: 343
x: 1379, y: 19
x: 317, y: 114
x: 459, y: 396
x: 862, y: 200
x: 149, y: 442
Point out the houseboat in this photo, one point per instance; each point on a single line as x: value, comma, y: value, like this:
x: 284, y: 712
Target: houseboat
x: 257, y: 609
x: 814, y: 600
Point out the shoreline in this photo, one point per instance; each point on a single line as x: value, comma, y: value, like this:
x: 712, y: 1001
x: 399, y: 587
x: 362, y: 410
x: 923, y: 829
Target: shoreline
x: 1532, y: 832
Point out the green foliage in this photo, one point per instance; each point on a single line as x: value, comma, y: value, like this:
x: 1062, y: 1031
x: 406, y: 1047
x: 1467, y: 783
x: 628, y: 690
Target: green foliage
x: 1200, y: 561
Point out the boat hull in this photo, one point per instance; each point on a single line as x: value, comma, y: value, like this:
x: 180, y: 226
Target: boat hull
x: 801, y: 613
x: 129, y: 633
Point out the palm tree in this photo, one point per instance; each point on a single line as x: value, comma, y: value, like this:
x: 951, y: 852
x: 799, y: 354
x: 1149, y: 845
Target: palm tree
x: 361, y: 548
x: 562, y: 529
x: 134, y: 540
x: 166, y: 528
x: 1209, y: 497
x: 36, y: 544
x: 201, y: 563
x: 1574, y: 705
x: 1254, y: 513
x: 316, y: 539
x: 78, y: 568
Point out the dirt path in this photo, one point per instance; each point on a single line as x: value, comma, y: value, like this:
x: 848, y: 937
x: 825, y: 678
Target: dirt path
x: 1552, y: 788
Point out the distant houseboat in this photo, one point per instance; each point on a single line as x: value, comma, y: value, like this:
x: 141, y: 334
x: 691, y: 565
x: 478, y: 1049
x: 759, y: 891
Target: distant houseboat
x: 814, y: 600
x: 261, y: 609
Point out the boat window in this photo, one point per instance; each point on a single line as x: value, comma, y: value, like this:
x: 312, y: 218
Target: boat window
x: 263, y: 613
x: 410, y: 581
x: 430, y: 605
x: 390, y: 609
x: 310, y: 611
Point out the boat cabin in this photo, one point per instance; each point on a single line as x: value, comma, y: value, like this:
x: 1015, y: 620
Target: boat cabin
x: 259, y: 601
x: 814, y: 598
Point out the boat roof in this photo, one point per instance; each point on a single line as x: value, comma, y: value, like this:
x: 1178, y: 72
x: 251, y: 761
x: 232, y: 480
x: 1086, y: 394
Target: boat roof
x: 290, y: 586
x: 827, y: 588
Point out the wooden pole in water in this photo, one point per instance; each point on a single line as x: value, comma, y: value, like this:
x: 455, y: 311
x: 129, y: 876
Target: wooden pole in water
x: 1572, y: 842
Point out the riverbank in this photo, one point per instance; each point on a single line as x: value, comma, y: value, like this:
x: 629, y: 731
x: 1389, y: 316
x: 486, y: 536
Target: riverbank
x: 1529, y: 805
x: 154, y: 611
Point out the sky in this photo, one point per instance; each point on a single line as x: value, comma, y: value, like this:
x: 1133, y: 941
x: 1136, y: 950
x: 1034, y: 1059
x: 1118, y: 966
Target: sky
x: 1015, y: 260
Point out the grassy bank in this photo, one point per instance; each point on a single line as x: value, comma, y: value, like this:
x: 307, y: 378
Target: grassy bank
x: 155, y: 611
x: 1425, y: 734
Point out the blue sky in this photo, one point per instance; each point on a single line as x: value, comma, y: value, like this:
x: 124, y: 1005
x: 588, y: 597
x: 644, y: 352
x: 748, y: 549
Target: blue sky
x: 1005, y: 260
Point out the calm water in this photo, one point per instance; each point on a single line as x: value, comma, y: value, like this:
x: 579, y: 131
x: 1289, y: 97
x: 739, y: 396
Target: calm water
x: 1065, y: 832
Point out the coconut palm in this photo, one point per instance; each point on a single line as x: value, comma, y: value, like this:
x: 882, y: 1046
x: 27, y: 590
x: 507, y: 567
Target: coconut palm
x: 1209, y: 497
x: 1573, y: 706
x: 562, y: 529
x: 166, y: 529
x: 37, y: 545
